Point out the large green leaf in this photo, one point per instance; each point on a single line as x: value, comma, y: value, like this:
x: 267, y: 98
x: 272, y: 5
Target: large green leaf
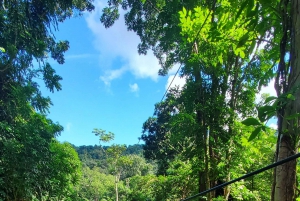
x: 266, y: 112
x: 255, y: 133
x: 244, y: 4
x: 270, y: 98
x: 251, y: 122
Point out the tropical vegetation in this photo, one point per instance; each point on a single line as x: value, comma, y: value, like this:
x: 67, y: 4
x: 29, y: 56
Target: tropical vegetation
x: 208, y: 132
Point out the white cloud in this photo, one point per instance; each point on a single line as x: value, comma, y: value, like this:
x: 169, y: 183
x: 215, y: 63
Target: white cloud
x: 111, y: 75
x: 274, y: 126
x: 178, y: 81
x: 118, y: 43
x: 134, y: 87
x: 68, y: 126
x: 267, y: 90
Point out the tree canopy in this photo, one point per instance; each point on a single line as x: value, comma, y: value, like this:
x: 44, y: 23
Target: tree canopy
x: 27, y: 36
x: 201, y: 135
x: 228, y: 50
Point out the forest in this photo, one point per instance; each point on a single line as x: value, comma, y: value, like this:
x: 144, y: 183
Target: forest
x: 208, y: 132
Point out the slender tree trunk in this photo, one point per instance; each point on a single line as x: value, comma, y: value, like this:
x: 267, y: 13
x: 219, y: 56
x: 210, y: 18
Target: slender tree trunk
x: 274, y: 170
x: 116, y: 186
x: 201, y: 135
x: 286, y: 173
x: 207, y: 161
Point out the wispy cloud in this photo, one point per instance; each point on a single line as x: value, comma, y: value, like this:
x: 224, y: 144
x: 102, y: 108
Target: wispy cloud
x: 117, y: 43
x: 78, y: 56
x: 111, y: 75
x: 68, y: 126
x: 274, y: 126
x: 134, y: 87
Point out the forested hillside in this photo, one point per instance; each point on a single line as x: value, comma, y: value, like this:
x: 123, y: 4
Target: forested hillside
x: 112, y: 172
x: 213, y: 129
x: 174, y: 177
x: 92, y: 156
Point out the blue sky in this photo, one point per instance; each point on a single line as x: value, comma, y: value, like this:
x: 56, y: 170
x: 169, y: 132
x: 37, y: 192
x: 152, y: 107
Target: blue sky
x: 106, y: 84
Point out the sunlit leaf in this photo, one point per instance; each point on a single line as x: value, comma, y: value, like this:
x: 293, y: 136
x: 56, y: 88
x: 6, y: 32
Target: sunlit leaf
x: 291, y: 97
x: 255, y: 133
x: 244, y: 4
x: 251, y: 122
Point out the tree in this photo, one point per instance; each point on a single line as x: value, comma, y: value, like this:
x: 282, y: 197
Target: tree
x: 284, y: 38
x: 103, y: 136
x: 94, y: 185
x: 143, y: 188
x: 156, y: 132
x: 288, y: 115
x: 27, y: 35
x: 119, y: 163
x: 222, y: 61
x: 115, y: 157
x: 64, y: 170
x: 25, y: 156
x: 228, y: 33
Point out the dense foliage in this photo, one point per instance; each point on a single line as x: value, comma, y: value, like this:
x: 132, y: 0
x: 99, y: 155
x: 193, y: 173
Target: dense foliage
x: 204, y: 134
x: 227, y: 50
x: 31, y: 163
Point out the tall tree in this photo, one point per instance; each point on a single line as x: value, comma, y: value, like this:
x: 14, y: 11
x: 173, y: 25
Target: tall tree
x: 27, y: 35
x: 115, y: 157
x: 25, y: 156
x: 119, y: 163
x: 223, y: 38
x: 287, y: 82
x: 64, y: 170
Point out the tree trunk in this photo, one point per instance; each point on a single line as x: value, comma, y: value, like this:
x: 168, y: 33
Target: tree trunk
x: 116, y: 186
x: 286, y: 173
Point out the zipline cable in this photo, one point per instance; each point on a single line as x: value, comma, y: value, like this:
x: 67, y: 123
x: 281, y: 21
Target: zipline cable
x: 171, y: 83
x: 246, y: 176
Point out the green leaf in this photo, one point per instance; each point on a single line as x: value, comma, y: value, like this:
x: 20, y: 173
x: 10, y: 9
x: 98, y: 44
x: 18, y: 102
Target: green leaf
x: 265, y: 111
x: 243, y: 40
x: 270, y: 98
x: 244, y: 4
x: 291, y: 97
x: 242, y: 54
x: 251, y: 122
x: 2, y: 49
x: 184, y: 11
x: 255, y: 133
x: 250, y: 6
x: 220, y: 58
